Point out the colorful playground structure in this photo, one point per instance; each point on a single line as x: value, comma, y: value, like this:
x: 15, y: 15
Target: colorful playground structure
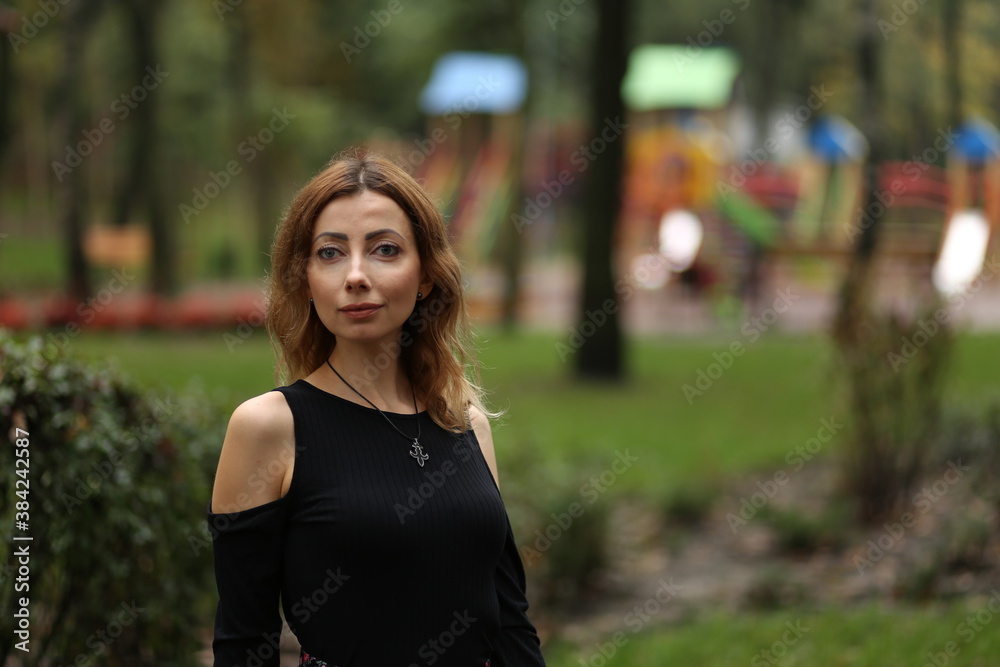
x: 710, y: 207
x: 707, y: 207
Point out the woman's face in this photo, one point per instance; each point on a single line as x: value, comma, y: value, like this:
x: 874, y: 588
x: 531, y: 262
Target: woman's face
x: 364, y: 268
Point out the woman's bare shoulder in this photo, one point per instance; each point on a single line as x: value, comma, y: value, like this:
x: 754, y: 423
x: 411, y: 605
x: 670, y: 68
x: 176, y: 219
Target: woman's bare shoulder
x: 481, y: 427
x: 267, y: 414
x: 257, y: 452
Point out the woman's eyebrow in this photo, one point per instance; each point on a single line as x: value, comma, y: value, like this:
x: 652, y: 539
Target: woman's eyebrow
x: 336, y: 235
x: 369, y: 236
x: 378, y: 232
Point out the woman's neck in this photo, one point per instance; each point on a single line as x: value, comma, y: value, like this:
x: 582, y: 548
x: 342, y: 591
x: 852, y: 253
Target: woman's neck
x: 374, y: 371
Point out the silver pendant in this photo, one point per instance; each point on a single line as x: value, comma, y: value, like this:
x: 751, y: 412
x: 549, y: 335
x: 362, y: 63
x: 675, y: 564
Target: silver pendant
x: 417, y: 452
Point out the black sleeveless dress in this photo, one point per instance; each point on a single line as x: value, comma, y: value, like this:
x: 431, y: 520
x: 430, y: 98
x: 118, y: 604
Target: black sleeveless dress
x: 379, y: 562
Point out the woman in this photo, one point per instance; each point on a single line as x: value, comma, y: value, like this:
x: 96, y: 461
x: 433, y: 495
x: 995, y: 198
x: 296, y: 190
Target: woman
x: 365, y: 492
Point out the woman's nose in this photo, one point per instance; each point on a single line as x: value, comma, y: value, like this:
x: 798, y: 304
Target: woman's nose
x: 356, y: 278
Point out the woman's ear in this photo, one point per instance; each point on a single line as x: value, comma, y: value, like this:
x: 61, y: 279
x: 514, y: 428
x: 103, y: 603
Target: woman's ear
x: 426, y: 286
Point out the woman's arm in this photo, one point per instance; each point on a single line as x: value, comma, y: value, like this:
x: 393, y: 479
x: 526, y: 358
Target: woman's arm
x: 246, y: 519
x: 518, y: 644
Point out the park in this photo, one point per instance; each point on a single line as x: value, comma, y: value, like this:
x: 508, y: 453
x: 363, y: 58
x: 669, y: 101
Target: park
x: 729, y: 273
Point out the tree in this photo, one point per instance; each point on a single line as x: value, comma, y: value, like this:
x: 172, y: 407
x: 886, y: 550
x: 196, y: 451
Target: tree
x: 80, y: 18
x: 601, y: 353
x: 144, y: 177
x: 894, y: 402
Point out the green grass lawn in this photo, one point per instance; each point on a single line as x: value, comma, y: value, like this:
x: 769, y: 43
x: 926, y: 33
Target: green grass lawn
x: 961, y: 635
x: 770, y: 400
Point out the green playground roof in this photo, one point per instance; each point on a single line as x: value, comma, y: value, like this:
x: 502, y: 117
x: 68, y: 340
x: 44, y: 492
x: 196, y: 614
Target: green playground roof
x: 674, y: 76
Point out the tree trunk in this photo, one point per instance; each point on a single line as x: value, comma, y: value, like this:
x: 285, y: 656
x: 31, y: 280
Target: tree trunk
x: 952, y: 26
x: 854, y: 292
x: 6, y: 92
x: 144, y: 176
x: 239, y: 72
x: 601, y: 354
x: 70, y: 121
x: 510, y: 238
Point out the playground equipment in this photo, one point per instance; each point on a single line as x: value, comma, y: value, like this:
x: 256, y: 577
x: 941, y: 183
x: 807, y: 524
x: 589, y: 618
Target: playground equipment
x: 746, y: 219
x: 469, y: 157
x: 974, y: 204
x: 675, y: 148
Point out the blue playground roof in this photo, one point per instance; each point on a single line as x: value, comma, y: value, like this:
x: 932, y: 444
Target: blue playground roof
x: 472, y: 82
x: 834, y: 139
x: 978, y: 140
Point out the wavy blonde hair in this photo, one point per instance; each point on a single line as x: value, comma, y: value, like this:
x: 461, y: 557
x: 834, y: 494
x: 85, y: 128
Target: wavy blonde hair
x: 434, y: 349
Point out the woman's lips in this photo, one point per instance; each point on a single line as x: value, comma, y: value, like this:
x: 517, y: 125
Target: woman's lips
x: 360, y: 311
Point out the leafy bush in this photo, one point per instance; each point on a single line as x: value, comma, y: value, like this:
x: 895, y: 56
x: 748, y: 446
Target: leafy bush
x: 559, y: 512
x: 894, y: 369
x: 688, y: 505
x: 971, y: 434
x: 799, y: 533
x: 773, y: 589
x: 117, y: 482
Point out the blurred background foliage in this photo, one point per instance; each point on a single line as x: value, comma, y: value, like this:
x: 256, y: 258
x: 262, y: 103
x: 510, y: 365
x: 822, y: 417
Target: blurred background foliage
x: 229, y: 65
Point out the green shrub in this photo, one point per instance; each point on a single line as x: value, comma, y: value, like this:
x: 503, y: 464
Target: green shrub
x: 971, y: 434
x: 800, y: 533
x: 894, y: 367
x: 118, y: 480
x: 689, y: 504
x: 560, y: 520
x: 773, y: 589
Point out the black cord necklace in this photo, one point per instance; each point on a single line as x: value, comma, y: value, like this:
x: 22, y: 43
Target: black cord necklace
x: 417, y: 452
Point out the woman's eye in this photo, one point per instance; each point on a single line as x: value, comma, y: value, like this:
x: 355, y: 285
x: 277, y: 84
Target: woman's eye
x: 327, y: 252
x: 387, y: 250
